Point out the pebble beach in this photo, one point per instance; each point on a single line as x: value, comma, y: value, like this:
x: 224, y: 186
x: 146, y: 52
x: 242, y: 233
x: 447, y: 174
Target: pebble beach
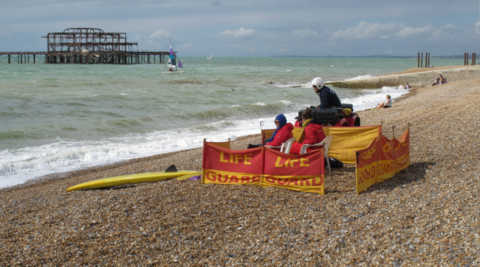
x: 426, y: 215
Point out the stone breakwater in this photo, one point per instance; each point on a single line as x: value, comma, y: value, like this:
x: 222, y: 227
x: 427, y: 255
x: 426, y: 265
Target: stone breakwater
x: 417, y: 78
x: 427, y: 215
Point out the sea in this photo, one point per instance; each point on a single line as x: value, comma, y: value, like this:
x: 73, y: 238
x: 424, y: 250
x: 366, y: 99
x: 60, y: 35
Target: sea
x: 60, y: 118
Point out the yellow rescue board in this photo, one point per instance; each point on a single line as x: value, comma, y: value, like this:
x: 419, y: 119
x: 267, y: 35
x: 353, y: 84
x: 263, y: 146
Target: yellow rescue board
x: 190, y: 175
x: 129, y: 179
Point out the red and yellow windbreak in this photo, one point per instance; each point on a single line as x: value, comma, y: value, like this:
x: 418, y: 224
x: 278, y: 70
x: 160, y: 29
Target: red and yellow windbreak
x: 382, y: 160
x: 264, y: 167
x: 402, y: 151
x: 347, y: 140
x: 295, y: 172
x: 227, y: 166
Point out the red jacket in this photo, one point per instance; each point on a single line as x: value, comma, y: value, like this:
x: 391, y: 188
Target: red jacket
x: 313, y: 134
x: 282, y: 135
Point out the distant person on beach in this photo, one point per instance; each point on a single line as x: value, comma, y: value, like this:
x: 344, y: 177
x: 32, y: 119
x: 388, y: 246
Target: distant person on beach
x: 407, y: 86
x: 282, y: 133
x: 440, y: 80
x: 387, y: 104
x: 311, y: 133
x: 328, y: 97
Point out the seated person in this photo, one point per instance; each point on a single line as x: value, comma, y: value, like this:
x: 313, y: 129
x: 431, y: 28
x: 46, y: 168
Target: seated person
x: 298, y: 122
x: 282, y: 133
x: 311, y: 133
x: 440, y: 80
x: 328, y: 97
x: 387, y: 104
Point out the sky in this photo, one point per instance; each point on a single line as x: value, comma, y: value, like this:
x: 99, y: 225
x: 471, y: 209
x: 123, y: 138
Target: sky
x: 255, y: 28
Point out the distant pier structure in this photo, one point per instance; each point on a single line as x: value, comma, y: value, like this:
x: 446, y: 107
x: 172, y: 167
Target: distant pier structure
x: 89, y: 46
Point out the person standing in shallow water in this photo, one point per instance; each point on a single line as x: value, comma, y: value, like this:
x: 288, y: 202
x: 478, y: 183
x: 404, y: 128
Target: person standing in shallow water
x: 328, y: 97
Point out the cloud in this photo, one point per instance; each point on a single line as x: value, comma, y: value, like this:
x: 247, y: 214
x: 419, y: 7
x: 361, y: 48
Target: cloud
x: 409, y: 31
x: 186, y: 46
x: 305, y: 33
x: 216, y: 4
x: 241, y: 33
x: 161, y: 34
x: 448, y: 26
x: 366, y: 30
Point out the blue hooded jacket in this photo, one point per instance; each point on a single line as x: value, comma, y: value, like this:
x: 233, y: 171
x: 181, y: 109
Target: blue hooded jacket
x: 283, y: 120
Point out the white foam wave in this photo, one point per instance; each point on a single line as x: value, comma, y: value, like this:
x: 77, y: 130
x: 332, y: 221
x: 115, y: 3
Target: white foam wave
x: 259, y: 104
x: 372, y: 97
x: 360, y: 77
x: 288, y: 85
x: 285, y: 102
x: 19, y: 166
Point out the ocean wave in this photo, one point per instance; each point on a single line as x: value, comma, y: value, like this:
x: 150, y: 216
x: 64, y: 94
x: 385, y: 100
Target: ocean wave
x: 360, y: 77
x: 14, y: 134
x: 282, y: 85
x: 20, y: 165
x: 237, y: 112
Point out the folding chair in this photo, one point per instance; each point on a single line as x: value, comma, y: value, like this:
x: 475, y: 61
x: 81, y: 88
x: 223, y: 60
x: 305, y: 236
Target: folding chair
x: 220, y: 144
x: 285, y: 147
x: 267, y: 133
x: 326, y: 145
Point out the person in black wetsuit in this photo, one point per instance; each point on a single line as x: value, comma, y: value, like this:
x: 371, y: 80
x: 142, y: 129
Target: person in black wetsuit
x: 328, y: 97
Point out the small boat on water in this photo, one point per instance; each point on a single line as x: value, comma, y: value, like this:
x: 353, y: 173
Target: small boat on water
x: 172, y: 61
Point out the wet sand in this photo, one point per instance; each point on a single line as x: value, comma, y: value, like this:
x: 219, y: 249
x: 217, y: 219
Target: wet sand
x: 426, y: 215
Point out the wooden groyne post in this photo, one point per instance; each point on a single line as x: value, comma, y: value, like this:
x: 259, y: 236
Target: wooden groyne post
x: 420, y: 60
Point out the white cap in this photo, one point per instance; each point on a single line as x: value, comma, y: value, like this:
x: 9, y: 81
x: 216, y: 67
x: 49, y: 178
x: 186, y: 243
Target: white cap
x: 318, y: 82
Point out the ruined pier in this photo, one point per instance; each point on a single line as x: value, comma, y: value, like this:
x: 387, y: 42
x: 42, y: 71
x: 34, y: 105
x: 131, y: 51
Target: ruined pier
x: 87, y: 46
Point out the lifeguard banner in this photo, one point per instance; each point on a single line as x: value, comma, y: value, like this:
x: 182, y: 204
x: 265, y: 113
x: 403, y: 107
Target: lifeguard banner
x: 386, y: 159
x: 348, y: 140
x: 366, y: 167
x: 402, y: 151
x: 382, y: 160
x: 295, y: 172
x: 227, y: 166
x: 265, y: 167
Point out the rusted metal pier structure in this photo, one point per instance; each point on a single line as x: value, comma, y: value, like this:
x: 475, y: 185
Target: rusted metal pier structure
x: 89, y: 46
x: 22, y: 57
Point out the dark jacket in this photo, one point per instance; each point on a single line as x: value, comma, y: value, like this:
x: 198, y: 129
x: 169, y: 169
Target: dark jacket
x: 328, y: 98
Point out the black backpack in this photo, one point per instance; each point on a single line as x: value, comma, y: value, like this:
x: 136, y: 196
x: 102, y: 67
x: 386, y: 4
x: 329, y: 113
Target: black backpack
x: 334, y: 163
